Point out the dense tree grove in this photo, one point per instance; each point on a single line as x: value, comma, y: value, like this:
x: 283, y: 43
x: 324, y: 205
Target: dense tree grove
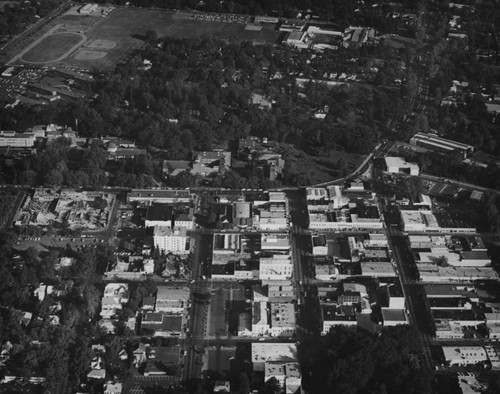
x: 355, y: 362
x: 16, y: 16
x: 59, y: 164
x: 198, y: 95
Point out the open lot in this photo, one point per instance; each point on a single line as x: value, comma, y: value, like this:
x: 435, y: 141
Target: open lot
x: 101, y: 40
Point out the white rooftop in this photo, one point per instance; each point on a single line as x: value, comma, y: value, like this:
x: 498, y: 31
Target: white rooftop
x: 264, y: 352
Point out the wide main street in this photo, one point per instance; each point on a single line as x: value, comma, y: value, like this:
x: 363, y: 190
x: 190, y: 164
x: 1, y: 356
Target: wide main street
x: 414, y: 294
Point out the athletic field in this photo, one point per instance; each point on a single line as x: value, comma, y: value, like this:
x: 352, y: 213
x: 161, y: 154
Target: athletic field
x: 101, y: 41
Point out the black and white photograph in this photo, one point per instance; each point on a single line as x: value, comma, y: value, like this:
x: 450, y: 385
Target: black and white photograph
x: 250, y: 197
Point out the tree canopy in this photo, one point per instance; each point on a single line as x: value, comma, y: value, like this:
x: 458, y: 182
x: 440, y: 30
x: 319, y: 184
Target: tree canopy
x: 355, y: 362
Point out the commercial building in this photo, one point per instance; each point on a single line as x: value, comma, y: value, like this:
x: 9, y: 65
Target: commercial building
x: 271, y: 216
x: 163, y: 196
x: 276, y: 267
x: 160, y: 215
x: 394, y: 317
x: 260, y: 319
x: 397, y: 165
x: 464, y: 355
x: 337, y: 315
x: 278, y: 242
x: 263, y: 353
x: 162, y: 324
x: 278, y: 360
x: 426, y: 241
x: 435, y: 273
x: 171, y: 240
x: 377, y: 269
x: 448, y: 329
x: 274, y: 291
x: 376, y: 240
x: 319, y: 244
x: 330, y: 209
x: 282, y: 319
x: 227, y: 243
x: 16, y: 140
x: 394, y: 292
x: 169, y: 216
x: 420, y: 219
x: 171, y: 300
x: 451, y: 291
x: 242, y: 214
x: 438, y: 144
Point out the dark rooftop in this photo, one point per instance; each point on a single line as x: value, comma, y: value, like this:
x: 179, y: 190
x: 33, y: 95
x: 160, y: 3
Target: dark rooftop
x: 159, y: 212
x: 337, y: 312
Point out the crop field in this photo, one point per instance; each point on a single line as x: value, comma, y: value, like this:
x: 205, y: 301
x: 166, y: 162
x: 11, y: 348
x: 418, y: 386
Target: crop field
x: 52, y: 47
x: 99, y: 41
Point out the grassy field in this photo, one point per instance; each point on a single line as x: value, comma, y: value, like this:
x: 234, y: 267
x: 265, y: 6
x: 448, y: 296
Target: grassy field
x: 126, y: 28
x: 52, y: 47
x: 324, y: 169
x: 319, y: 169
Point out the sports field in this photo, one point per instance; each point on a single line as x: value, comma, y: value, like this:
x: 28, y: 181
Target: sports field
x: 110, y: 39
x: 53, y: 47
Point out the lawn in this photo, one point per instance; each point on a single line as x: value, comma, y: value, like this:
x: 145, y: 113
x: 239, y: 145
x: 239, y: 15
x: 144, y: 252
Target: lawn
x: 136, y: 21
x: 52, y: 47
x: 319, y: 169
x: 125, y: 27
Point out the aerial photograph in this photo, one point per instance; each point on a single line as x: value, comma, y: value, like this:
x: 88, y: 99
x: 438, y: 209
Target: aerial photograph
x: 250, y: 197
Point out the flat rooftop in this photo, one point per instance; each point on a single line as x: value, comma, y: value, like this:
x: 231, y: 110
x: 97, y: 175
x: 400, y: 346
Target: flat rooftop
x: 446, y: 290
x: 381, y: 268
x: 398, y: 315
x: 265, y: 352
x: 282, y: 314
x: 159, y: 212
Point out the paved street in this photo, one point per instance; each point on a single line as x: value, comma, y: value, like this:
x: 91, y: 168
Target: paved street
x: 200, y: 296
x: 309, y: 316
x: 416, y: 301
